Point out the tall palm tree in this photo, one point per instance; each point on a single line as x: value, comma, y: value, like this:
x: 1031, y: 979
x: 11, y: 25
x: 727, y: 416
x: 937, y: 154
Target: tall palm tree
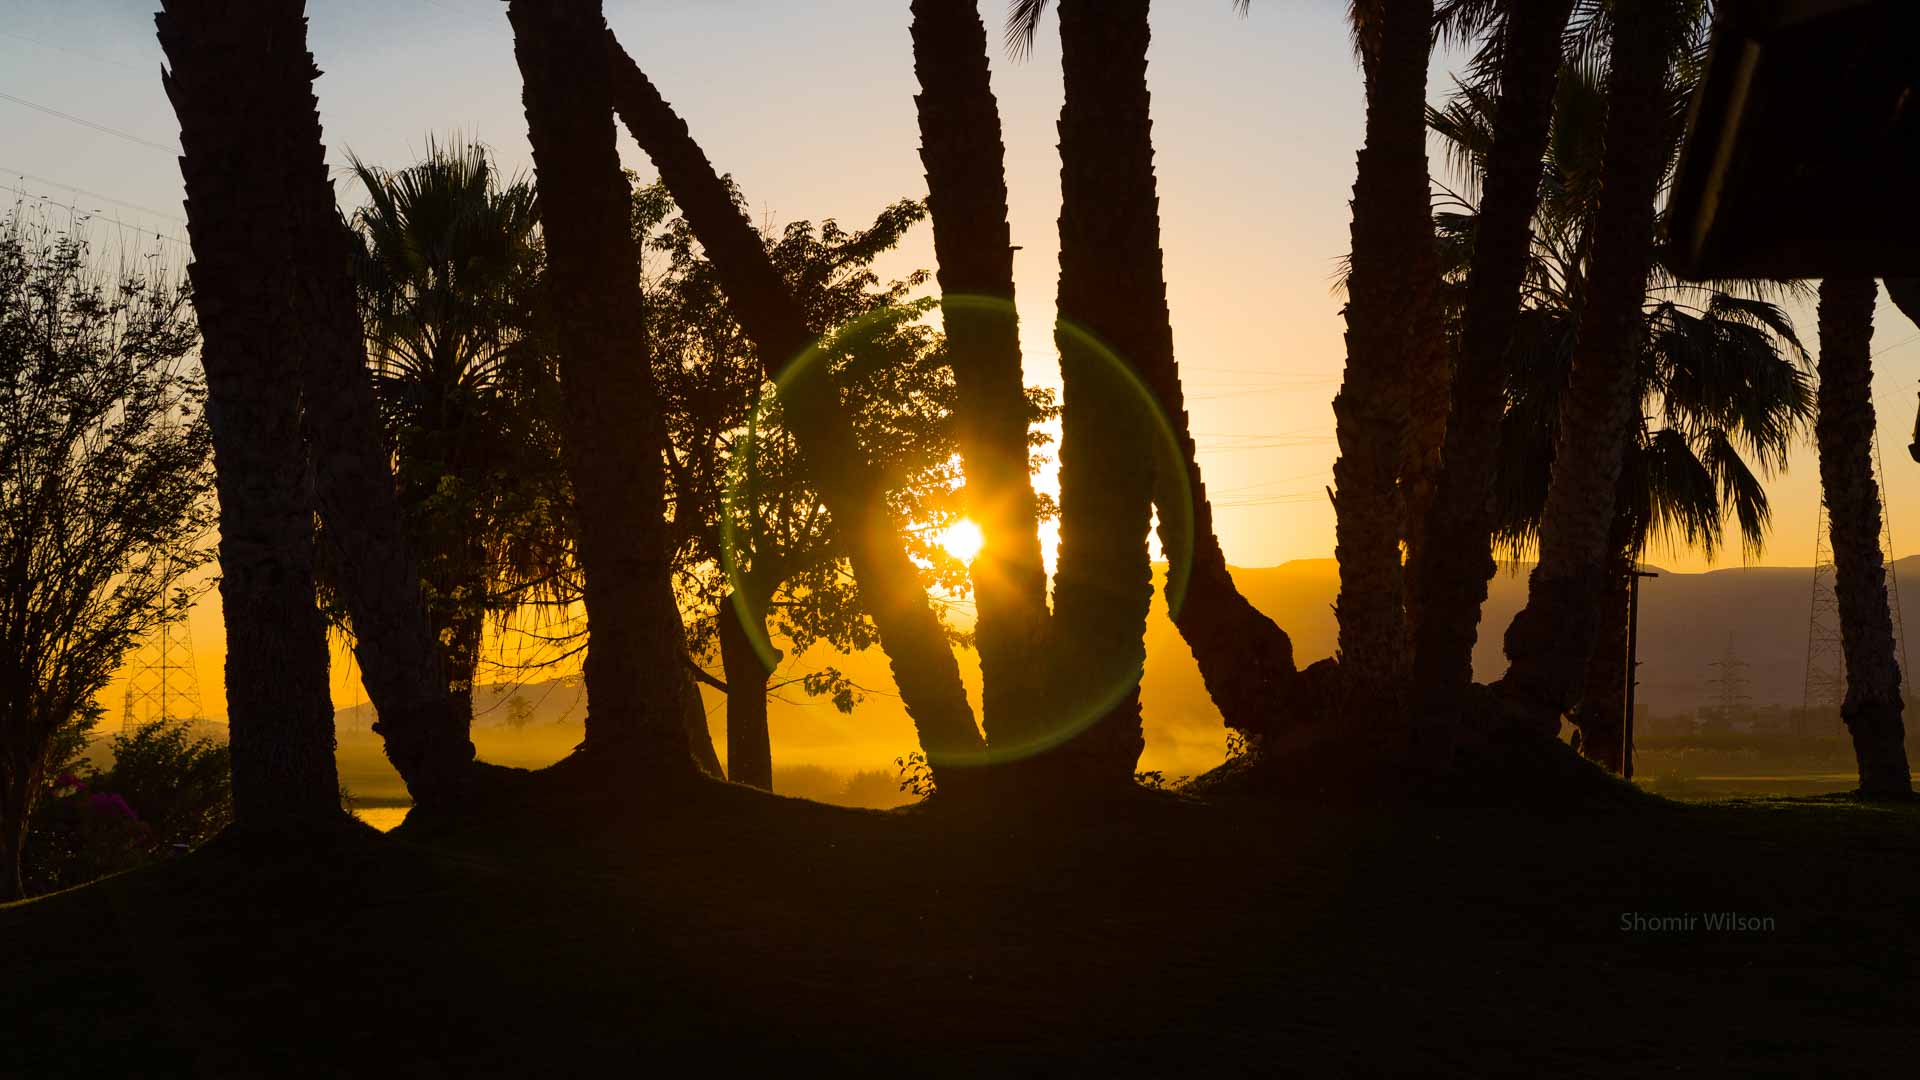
x: 917, y: 648
x: 1722, y: 396
x: 237, y: 70
x: 425, y: 728
x: 1111, y: 285
x: 1845, y: 435
x: 1550, y: 641
x: 635, y: 668
x: 1245, y: 659
x: 1393, y: 337
x: 1721, y: 370
x: 1451, y: 571
x: 446, y: 262
x: 965, y: 158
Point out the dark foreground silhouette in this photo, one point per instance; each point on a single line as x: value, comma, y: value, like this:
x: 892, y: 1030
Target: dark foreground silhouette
x: 729, y: 929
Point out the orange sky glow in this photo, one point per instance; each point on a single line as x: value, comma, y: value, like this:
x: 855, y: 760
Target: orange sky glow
x: 810, y: 107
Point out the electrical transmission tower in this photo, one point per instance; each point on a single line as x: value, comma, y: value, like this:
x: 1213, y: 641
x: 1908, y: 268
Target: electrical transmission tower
x: 1730, y: 683
x: 161, y: 681
x: 1826, y: 678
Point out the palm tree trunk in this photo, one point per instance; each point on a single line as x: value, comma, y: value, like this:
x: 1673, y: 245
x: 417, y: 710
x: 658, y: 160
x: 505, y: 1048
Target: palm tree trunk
x: 1844, y: 431
x: 1245, y: 660
x: 635, y: 673
x: 1392, y: 279
x: 240, y: 76
x: 1550, y: 641
x: 1449, y: 575
x: 960, y: 144
x: 1603, y: 697
x: 425, y: 727
x: 1110, y: 289
x: 916, y: 645
x: 749, y: 745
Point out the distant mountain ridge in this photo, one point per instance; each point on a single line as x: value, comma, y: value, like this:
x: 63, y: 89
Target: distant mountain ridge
x: 1686, y: 623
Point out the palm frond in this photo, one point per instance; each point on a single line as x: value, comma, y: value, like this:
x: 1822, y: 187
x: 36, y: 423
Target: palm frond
x: 1465, y: 127
x: 1740, y: 490
x: 1679, y: 503
x: 1023, y: 26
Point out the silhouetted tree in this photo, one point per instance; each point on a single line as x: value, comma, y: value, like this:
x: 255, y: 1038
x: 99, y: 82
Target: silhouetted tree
x: 1245, y: 659
x: 1109, y: 282
x: 1721, y: 371
x: 447, y: 263
x: 754, y: 544
x: 1845, y: 434
x: 1517, y: 69
x: 1550, y: 641
x: 1392, y: 336
x: 637, y: 682
x: 365, y: 541
x: 853, y: 490
x: 239, y: 77
x: 103, y: 500
x: 965, y: 158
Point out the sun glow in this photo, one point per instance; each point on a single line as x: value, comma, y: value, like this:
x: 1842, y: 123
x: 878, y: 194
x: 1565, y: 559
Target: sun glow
x: 962, y: 539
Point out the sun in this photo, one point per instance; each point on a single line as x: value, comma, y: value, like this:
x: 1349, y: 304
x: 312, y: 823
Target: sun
x: 962, y: 539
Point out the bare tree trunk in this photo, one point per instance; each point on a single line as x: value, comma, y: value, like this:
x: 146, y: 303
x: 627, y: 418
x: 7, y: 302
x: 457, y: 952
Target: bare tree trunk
x: 916, y: 645
x: 749, y: 744
x: 967, y: 199
x: 1844, y: 431
x: 635, y: 667
x: 240, y: 77
x: 1393, y: 275
x: 1449, y: 574
x: 19, y: 783
x: 1551, y: 639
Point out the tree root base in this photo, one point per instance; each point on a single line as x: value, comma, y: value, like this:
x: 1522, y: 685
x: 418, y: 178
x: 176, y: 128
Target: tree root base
x: 1364, y: 744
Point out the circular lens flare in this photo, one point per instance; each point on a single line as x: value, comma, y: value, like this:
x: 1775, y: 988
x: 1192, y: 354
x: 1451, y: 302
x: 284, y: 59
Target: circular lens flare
x: 1088, y: 694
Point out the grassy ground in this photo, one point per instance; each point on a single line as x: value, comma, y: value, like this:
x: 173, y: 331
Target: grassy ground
x: 744, y: 931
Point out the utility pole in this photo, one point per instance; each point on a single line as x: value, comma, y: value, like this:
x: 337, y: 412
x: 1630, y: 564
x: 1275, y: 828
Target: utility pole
x: 1633, y: 668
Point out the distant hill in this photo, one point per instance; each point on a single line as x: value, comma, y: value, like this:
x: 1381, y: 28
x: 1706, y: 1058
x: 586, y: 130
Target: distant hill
x: 1686, y: 622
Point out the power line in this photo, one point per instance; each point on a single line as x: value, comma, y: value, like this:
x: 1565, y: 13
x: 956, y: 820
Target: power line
x: 96, y: 57
x: 89, y: 213
x: 1889, y: 348
x: 175, y: 218
x: 83, y: 122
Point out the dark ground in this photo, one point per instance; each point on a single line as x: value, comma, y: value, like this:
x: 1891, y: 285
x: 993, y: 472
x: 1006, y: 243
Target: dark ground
x: 1162, y: 936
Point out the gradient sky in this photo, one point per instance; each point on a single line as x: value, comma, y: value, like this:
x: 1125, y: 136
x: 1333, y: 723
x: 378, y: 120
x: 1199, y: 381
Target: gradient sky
x: 810, y: 107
